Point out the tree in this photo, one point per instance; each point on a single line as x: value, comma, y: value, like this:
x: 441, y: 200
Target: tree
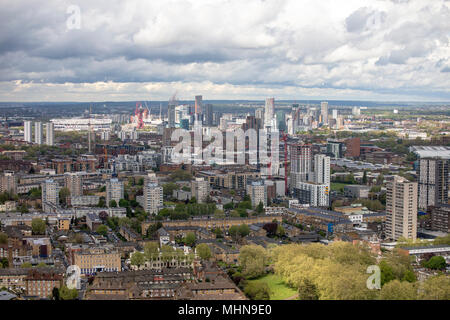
x: 42, y: 265
x: 55, y: 293
x: 364, y: 178
x: 307, y: 290
x: 38, y: 226
x: 68, y: 294
x: 63, y: 194
x: 436, y: 263
x: 26, y: 265
x: 3, y: 238
x: 151, y: 250
x: 189, y: 239
x: 257, y: 291
x: 234, y: 232
x: 203, y: 251
x: 271, y: 228
x: 102, y: 229
x: 280, y: 231
x: 218, y: 232
x: 4, y: 263
x: 113, y: 203
x: 123, y: 203
x: 435, y: 288
x: 260, y: 208
x: 101, y: 202
x: 244, y: 230
x: 168, y: 188
x: 253, y: 260
x: 398, y: 290
x: 137, y: 259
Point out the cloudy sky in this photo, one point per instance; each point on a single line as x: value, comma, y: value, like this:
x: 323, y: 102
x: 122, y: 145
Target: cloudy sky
x: 389, y: 50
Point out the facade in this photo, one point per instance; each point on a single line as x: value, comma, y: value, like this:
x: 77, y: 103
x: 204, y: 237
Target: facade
x: 433, y: 182
x: 401, y: 209
x: 94, y: 260
x: 200, y: 189
x: 440, y: 218
x: 50, y: 192
x: 257, y: 191
x: 153, y: 198
x: 114, y: 190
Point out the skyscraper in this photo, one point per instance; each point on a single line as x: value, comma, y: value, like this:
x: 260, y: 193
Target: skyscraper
x: 322, y: 169
x: 433, y: 182
x: 50, y: 134
x: 38, y: 132
x: 259, y: 114
x: 401, y: 209
x: 301, y: 160
x: 324, y: 112
x: 198, y: 105
x: 208, y: 114
x: 269, y: 111
x: 171, y: 113
x: 27, y: 131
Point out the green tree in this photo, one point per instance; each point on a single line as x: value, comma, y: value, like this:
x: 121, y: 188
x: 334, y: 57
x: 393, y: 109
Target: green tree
x: 26, y: 265
x: 203, y: 251
x: 123, y: 203
x: 190, y: 239
x: 42, y: 265
x: 168, y: 188
x: 307, y: 290
x: 151, y: 250
x: 137, y: 259
x: 253, y: 260
x: 113, y: 203
x: 102, y: 229
x: 436, y: 263
x: 260, y: 208
x: 68, y: 294
x: 435, y: 288
x: 63, y: 194
x: 280, y: 231
x: 38, y: 226
x: 3, y: 238
x: 398, y: 290
x: 243, y: 230
x: 101, y: 202
x: 257, y: 291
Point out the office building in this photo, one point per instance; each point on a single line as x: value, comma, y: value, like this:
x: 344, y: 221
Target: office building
x: 50, y: 134
x: 27, y: 131
x: 153, y: 198
x: 114, y: 190
x: 198, y: 105
x: 433, y: 182
x: 401, y: 209
x: 324, y: 112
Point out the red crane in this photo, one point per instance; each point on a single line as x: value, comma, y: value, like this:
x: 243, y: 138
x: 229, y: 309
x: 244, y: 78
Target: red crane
x: 139, y: 115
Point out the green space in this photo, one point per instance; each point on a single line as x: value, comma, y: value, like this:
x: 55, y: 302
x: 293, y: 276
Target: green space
x: 278, y: 289
x: 338, y: 186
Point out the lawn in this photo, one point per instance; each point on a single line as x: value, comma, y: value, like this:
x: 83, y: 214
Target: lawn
x: 338, y: 186
x: 279, y: 290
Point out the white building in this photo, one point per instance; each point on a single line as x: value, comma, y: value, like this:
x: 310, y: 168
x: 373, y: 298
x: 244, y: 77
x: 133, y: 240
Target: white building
x: 153, y: 198
x: 114, y: 190
x: 50, y: 192
x: 316, y: 195
x: 82, y: 124
x: 27, y: 131
x: 50, y: 134
x: 322, y: 169
x: 257, y: 192
x: 200, y: 189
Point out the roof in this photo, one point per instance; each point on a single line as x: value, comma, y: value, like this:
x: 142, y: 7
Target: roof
x: 5, y: 295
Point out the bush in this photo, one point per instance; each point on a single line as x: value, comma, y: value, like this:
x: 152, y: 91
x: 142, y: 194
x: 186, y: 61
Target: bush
x: 257, y: 291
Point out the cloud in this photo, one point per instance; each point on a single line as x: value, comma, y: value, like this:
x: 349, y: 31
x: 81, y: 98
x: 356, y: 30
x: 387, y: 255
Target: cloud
x: 391, y: 49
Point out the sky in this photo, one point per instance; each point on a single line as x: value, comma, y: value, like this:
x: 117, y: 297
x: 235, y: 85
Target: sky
x: 114, y: 50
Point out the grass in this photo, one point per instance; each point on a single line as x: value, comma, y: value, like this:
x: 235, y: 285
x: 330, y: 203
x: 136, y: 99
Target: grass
x: 278, y: 289
x: 338, y: 186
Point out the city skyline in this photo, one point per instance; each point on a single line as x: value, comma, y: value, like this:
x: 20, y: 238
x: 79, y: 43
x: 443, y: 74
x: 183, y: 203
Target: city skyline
x: 115, y: 51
